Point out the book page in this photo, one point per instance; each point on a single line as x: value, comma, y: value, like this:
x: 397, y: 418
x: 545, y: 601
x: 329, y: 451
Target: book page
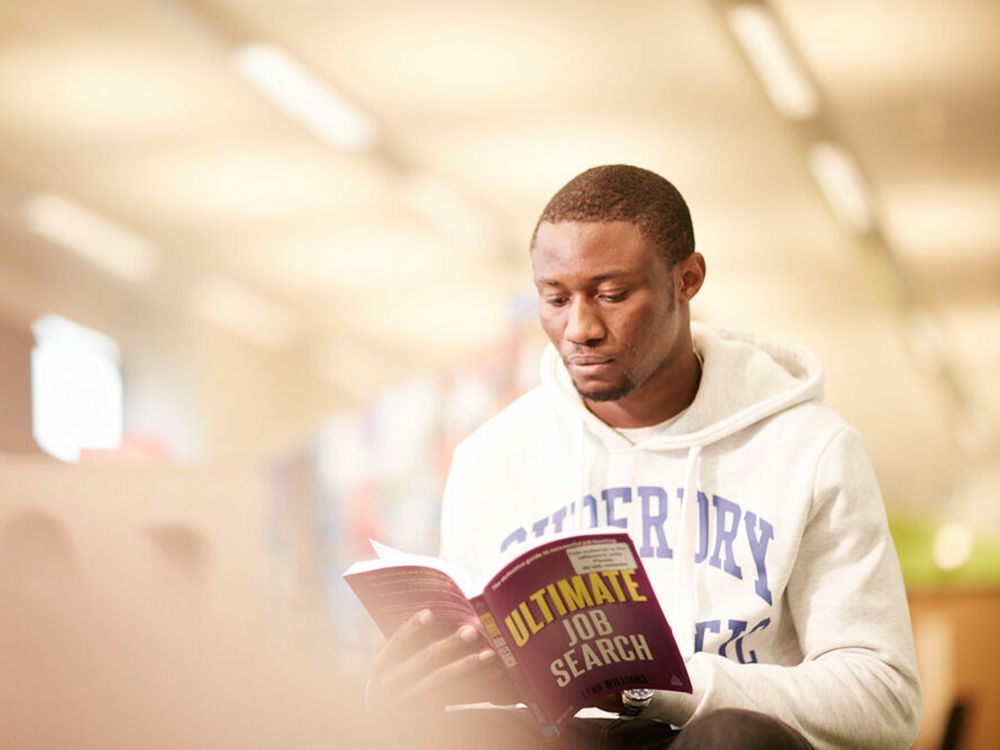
x: 389, y: 557
x: 393, y: 593
x: 398, y: 584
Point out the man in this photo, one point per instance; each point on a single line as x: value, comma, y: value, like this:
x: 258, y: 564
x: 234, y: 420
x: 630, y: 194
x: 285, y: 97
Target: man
x: 753, y: 506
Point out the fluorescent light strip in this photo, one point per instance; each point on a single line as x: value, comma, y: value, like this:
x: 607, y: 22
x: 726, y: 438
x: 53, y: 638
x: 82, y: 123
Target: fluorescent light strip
x: 787, y: 85
x: 840, y: 180
x: 248, y: 314
x: 304, y: 97
x: 93, y: 238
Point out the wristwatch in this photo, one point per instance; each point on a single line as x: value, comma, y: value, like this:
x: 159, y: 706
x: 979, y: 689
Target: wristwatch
x: 635, y: 701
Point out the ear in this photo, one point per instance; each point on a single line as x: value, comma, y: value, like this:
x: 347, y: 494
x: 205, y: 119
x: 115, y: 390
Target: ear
x: 690, y: 275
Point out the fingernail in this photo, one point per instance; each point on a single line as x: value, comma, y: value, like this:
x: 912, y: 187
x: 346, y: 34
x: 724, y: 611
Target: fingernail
x: 486, y: 655
x: 425, y: 616
x: 467, y: 633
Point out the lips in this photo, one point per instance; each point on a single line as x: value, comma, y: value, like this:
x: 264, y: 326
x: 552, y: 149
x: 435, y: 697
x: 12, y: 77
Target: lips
x: 587, y: 360
x: 590, y: 365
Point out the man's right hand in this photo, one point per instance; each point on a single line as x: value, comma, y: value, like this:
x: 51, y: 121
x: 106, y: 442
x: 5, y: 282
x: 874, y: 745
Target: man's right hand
x: 429, y: 665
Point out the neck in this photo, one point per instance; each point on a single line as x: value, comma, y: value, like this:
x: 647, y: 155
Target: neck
x: 668, y: 392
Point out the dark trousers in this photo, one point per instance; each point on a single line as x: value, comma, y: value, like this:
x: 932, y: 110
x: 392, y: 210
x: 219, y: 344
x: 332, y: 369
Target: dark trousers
x: 515, y: 729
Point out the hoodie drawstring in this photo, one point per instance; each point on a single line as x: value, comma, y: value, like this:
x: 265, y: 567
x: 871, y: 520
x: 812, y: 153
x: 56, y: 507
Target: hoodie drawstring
x: 685, y: 590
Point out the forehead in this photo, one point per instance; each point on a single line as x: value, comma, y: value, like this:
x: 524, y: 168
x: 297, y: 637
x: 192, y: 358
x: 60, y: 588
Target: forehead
x: 569, y: 250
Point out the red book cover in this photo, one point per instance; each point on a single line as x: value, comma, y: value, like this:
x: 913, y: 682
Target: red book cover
x: 572, y: 618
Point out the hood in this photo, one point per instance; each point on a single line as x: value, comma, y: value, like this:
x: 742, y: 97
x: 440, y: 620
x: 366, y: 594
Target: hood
x: 745, y: 379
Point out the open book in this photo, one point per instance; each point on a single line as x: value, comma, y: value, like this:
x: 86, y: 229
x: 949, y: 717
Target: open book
x: 571, y: 618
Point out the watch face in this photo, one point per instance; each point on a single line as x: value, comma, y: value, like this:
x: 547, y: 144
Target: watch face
x: 638, y: 694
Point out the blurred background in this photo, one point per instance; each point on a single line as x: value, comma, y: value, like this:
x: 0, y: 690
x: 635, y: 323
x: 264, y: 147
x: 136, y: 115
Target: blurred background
x: 263, y: 264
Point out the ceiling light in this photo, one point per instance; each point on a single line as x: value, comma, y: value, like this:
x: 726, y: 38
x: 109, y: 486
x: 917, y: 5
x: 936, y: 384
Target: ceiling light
x: 304, y: 97
x: 952, y: 546
x: 840, y: 180
x: 786, y: 83
x: 99, y: 241
x: 244, y: 312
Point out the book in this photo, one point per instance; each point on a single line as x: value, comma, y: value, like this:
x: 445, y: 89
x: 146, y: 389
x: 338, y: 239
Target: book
x: 572, y: 617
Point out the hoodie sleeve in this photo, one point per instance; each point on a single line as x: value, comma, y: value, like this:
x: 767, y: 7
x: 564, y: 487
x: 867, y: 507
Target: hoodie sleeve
x: 857, y: 683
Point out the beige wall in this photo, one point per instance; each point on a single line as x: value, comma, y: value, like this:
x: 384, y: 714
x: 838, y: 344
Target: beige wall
x: 137, y: 613
x: 125, y: 524
x: 15, y: 389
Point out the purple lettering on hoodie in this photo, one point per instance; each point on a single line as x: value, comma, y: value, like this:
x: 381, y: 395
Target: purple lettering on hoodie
x: 516, y: 536
x: 699, y: 632
x: 759, y: 535
x: 752, y: 658
x: 589, y: 500
x: 652, y: 523
x: 725, y: 535
x: 736, y: 628
x: 611, y: 496
x: 702, y: 552
x: 557, y: 519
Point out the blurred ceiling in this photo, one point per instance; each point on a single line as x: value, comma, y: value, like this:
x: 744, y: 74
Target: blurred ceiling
x: 404, y: 249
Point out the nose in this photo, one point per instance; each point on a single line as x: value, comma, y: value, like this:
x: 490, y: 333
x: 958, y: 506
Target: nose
x: 583, y: 324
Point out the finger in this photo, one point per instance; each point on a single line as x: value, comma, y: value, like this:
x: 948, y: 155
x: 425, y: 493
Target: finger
x: 406, y: 639
x: 459, y: 680
x: 432, y: 657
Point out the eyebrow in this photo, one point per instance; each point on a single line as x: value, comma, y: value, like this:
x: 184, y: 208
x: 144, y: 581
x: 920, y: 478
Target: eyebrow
x: 609, y: 276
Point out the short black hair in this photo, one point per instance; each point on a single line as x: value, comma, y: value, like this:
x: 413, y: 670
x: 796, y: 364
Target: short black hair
x: 620, y: 192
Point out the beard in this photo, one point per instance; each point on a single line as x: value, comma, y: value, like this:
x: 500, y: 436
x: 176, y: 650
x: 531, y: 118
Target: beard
x: 609, y: 393
x: 629, y: 381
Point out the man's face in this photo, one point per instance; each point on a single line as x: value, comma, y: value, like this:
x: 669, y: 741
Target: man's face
x: 607, y: 303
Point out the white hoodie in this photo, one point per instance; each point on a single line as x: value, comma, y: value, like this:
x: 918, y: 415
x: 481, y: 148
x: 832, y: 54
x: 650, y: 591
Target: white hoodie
x: 780, y: 582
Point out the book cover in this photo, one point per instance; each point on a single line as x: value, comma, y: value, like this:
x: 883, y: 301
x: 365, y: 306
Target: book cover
x: 572, y: 618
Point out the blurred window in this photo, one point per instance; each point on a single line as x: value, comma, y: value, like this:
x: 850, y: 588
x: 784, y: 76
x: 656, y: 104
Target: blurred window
x: 76, y: 388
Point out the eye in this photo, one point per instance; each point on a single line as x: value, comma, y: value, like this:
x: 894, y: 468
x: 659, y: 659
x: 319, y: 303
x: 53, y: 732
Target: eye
x: 555, y: 301
x: 612, y: 296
